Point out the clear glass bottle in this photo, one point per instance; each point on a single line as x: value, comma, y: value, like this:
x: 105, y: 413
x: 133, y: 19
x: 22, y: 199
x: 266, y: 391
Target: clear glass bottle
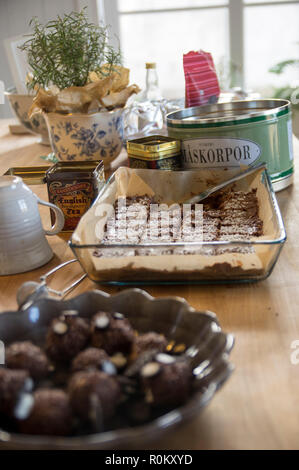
x: 152, y: 91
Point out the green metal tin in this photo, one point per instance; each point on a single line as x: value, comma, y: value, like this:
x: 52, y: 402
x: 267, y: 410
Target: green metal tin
x: 237, y: 133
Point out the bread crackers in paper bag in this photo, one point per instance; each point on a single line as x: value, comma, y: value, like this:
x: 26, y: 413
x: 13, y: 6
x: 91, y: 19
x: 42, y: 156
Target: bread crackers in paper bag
x: 107, y: 89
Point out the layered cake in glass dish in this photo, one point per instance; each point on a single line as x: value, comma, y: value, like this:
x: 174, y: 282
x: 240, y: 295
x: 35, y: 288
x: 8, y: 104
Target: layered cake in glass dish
x: 228, y: 216
x: 141, y: 231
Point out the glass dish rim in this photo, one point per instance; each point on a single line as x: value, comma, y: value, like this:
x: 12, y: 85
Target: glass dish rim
x: 223, y: 243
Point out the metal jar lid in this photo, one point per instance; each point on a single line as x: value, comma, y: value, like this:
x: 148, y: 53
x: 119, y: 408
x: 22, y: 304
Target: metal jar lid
x: 77, y: 169
x: 153, y: 147
x: 226, y: 114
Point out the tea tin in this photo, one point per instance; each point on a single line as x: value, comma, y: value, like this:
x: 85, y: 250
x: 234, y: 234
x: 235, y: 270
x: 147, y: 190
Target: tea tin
x: 31, y: 175
x: 73, y: 186
x: 155, y: 152
x: 235, y: 134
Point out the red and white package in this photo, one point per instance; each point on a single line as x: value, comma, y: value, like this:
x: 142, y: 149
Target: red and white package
x: 201, y: 82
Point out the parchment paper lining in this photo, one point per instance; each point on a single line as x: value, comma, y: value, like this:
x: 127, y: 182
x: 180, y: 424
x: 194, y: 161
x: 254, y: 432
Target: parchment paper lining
x: 169, y: 187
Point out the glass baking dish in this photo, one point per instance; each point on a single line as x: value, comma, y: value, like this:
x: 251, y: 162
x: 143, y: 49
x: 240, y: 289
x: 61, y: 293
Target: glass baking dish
x: 179, y: 263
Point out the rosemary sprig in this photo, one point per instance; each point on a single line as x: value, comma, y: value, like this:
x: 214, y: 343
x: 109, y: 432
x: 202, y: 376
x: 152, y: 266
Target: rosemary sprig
x: 63, y: 51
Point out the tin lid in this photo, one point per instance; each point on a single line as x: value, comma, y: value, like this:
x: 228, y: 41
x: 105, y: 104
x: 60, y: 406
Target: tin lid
x: 30, y: 174
x: 226, y: 114
x: 67, y: 169
x: 153, y: 146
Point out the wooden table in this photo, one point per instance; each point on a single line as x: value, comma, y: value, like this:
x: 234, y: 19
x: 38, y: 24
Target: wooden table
x: 258, y: 408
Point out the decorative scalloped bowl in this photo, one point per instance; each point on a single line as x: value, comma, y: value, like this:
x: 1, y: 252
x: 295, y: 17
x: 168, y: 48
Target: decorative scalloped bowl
x: 208, y: 349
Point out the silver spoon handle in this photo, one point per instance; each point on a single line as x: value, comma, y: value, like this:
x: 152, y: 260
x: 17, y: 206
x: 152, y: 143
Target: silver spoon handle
x: 200, y: 197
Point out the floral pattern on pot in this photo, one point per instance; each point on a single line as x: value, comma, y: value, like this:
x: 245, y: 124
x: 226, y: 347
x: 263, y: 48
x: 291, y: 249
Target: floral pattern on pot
x: 96, y: 136
x: 20, y: 105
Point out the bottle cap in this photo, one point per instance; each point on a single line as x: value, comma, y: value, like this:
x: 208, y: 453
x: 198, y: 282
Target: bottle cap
x: 150, y: 65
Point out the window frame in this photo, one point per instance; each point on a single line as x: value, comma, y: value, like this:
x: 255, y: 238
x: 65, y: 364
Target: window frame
x: 108, y: 13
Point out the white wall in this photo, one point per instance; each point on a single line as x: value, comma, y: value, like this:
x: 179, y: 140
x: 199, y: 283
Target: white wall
x: 14, y: 20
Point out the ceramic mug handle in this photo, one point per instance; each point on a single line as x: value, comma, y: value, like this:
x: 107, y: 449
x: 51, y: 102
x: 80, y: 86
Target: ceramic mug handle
x: 59, y: 219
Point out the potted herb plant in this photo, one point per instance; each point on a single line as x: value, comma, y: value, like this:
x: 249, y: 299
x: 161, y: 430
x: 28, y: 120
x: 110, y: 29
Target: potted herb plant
x: 80, y: 86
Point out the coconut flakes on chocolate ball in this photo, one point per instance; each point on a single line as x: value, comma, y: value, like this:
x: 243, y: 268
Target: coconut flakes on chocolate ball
x: 112, y: 332
x: 166, y: 381
x: 133, y: 370
x: 94, y: 393
x: 51, y: 414
x: 66, y: 337
x: 104, y: 375
x: 93, y: 358
x: 13, y: 384
x: 149, y: 341
x: 26, y: 356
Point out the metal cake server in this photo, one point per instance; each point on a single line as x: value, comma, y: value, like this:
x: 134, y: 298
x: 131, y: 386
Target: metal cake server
x: 208, y: 192
x: 31, y: 291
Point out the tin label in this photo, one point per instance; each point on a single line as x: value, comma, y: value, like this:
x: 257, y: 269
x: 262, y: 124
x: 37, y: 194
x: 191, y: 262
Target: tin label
x: 219, y: 152
x: 73, y: 199
x: 171, y: 163
x: 73, y: 206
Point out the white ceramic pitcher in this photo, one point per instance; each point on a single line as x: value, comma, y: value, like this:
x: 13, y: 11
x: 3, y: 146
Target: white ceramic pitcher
x: 23, y: 245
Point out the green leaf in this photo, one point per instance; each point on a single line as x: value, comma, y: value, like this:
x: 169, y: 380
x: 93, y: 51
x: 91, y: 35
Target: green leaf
x: 281, y: 66
x: 51, y: 157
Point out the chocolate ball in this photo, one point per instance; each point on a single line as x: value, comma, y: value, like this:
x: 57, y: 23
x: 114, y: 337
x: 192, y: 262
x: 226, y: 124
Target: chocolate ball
x: 13, y: 383
x: 150, y: 341
x: 94, y: 392
x: 166, y: 380
x: 66, y: 337
x: 51, y: 414
x: 112, y: 332
x: 25, y: 355
x: 91, y: 358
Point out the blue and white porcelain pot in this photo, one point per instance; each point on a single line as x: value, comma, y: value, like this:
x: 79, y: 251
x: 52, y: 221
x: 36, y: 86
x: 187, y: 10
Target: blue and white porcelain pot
x: 20, y: 105
x: 96, y: 136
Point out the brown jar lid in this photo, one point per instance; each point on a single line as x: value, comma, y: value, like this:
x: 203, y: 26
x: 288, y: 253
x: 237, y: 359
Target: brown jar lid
x: 150, y: 65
